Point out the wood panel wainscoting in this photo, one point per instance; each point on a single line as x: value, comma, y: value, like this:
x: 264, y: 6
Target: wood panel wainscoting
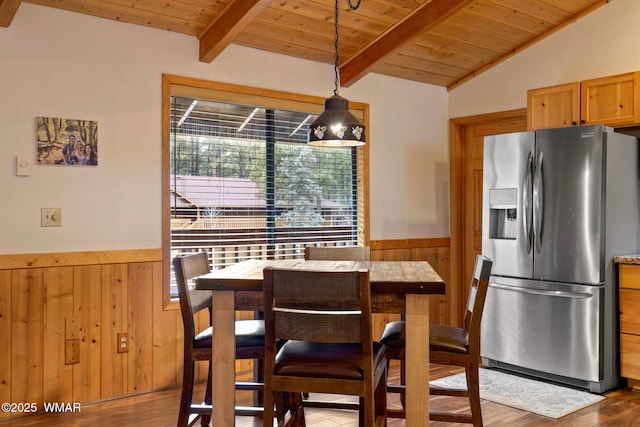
x: 61, y: 315
x: 433, y: 250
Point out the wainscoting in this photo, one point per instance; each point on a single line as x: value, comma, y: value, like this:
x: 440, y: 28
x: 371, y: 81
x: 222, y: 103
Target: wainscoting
x: 436, y: 252
x: 60, y: 316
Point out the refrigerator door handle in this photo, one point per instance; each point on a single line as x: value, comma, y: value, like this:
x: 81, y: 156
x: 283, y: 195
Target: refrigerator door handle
x: 544, y: 292
x: 527, y: 218
x: 538, y: 202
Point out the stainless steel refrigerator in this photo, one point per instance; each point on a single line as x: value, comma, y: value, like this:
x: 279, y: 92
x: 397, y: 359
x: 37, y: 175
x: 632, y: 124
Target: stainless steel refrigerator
x: 558, y: 205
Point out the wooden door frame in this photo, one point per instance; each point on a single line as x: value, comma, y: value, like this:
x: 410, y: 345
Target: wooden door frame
x: 457, y: 158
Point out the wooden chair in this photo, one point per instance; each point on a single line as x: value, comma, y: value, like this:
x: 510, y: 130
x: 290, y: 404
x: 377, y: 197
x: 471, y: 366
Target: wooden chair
x: 449, y: 345
x: 335, y: 253
x: 338, y: 253
x: 325, y: 316
x: 197, y: 345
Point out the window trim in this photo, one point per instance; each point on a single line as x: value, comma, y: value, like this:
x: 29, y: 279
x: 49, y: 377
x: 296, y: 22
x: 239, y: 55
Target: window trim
x: 199, y: 88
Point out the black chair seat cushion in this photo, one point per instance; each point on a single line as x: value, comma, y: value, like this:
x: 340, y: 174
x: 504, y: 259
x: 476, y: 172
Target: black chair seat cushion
x: 394, y: 334
x: 324, y: 360
x: 441, y: 337
x: 249, y: 333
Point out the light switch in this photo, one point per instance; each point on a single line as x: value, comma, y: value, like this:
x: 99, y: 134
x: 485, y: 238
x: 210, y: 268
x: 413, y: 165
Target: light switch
x: 50, y: 217
x: 23, y: 166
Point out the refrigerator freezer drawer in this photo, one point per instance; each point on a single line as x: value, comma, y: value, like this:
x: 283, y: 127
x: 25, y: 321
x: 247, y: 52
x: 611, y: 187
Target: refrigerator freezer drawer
x: 542, y: 326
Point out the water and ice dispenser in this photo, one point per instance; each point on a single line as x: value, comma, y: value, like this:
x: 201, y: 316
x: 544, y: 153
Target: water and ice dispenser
x: 503, y: 213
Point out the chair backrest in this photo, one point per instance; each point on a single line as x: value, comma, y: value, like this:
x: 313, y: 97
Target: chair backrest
x: 187, y: 267
x: 318, y: 306
x: 477, y: 297
x: 338, y: 253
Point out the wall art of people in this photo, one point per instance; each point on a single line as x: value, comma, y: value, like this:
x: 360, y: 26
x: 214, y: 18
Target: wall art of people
x: 68, y: 142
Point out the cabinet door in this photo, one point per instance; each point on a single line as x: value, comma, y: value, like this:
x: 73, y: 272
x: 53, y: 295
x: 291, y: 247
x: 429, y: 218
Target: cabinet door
x: 629, y: 284
x: 613, y: 100
x: 630, y: 311
x: 629, y: 276
x: 554, y: 106
x: 630, y: 356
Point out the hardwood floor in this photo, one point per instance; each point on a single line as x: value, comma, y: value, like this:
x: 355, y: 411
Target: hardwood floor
x: 159, y: 409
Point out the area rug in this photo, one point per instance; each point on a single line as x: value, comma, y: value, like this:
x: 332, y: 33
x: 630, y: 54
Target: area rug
x: 529, y: 395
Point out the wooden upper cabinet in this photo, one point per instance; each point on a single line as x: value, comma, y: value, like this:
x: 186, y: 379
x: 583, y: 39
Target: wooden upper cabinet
x: 612, y: 101
x: 554, y: 106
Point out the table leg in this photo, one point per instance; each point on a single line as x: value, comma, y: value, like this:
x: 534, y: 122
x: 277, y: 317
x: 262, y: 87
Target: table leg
x: 223, y: 358
x: 417, y: 360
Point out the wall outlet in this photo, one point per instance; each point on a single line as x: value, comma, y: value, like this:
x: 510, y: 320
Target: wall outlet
x: 71, y: 352
x: 50, y: 217
x: 123, y: 342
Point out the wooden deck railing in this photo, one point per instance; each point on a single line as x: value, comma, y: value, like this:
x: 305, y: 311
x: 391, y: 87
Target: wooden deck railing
x: 229, y: 246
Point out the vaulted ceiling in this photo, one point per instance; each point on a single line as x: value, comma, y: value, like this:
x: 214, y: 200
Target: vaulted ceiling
x: 441, y: 42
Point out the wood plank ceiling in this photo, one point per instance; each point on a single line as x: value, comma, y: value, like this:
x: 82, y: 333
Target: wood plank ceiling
x: 441, y: 42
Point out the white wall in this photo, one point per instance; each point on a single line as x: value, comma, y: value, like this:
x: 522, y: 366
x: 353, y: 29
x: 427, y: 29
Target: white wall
x: 60, y: 64
x: 605, y: 42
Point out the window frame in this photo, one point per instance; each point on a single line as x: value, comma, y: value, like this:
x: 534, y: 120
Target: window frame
x: 226, y: 92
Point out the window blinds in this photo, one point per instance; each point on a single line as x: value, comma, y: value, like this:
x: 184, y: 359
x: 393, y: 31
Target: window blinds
x: 244, y: 184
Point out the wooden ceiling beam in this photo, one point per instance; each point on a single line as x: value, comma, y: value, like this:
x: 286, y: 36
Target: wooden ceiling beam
x: 8, y: 9
x: 231, y: 22
x: 420, y: 20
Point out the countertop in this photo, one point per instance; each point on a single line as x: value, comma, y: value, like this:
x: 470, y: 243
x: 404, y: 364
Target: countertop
x: 627, y: 259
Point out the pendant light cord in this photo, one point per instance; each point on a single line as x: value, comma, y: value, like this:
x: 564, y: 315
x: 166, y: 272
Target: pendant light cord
x: 336, y: 81
x: 336, y: 68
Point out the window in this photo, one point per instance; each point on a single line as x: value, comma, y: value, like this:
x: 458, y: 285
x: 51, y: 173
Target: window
x: 240, y: 182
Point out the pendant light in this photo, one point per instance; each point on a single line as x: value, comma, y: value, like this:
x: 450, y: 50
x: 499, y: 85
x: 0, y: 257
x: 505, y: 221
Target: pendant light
x: 336, y: 126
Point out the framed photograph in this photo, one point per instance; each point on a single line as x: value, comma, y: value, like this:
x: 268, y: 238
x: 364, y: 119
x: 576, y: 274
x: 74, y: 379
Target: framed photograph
x: 67, y: 142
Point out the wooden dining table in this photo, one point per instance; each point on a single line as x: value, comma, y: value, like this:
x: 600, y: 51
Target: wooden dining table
x: 396, y: 287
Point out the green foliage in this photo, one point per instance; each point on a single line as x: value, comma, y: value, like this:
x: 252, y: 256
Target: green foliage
x: 297, y: 187
x: 305, y: 176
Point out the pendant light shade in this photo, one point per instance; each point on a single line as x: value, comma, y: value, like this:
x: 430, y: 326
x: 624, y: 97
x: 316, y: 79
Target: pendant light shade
x: 336, y: 126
